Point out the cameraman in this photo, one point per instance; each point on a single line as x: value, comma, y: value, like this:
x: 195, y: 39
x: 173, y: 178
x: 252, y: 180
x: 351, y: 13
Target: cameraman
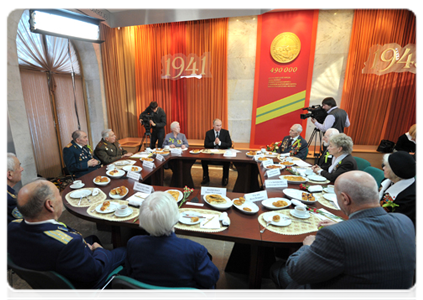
x: 336, y: 118
x: 155, y: 117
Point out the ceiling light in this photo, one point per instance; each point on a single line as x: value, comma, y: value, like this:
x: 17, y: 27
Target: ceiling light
x: 65, y: 24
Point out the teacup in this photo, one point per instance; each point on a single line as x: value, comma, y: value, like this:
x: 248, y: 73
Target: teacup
x: 263, y: 150
x: 111, y: 167
x: 330, y: 189
x: 309, y: 171
x: 77, y: 183
x: 300, y: 210
x: 121, y: 210
x: 167, y: 147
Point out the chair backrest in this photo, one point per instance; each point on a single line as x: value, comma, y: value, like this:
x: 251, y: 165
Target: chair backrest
x: 40, y: 279
x: 127, y: 288
x: 361, y: 163
x: 376, y: 173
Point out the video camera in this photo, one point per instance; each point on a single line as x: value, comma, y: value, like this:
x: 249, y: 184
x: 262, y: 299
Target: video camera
x: 316, y: 111
x: 145, y: 121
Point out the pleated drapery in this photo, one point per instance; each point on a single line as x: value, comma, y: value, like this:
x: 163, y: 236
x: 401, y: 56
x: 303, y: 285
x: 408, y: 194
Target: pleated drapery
x: 193, y: 102
x: 379, y: 107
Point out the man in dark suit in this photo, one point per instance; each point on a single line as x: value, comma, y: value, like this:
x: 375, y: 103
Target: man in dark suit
x: 78, y: 157
x: 216, y: 138
x: 40, y: 242
x: 325, y: 160
x: 371, y: 250
x: 294, y: 143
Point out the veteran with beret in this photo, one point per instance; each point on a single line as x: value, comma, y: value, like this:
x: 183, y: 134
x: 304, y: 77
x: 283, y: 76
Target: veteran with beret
x: 78, y: 157
x: 39, y: 242
x: 108, y: 149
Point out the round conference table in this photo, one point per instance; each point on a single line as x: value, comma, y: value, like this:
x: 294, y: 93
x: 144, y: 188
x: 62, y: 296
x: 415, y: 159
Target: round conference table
x: 244, y: 230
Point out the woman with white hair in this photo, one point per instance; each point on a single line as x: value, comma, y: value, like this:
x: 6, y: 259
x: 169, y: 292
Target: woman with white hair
x: 162, y: 258
x: 398, y: 191
x: 175, y: 138
x: 340, y: 147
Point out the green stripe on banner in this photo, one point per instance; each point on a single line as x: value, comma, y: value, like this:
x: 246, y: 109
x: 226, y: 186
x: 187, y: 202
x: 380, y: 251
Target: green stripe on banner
x: 280, y: 107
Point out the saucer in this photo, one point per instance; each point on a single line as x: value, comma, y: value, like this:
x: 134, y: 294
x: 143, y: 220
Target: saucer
x: 126, y: 213
x: 77, y: 187
x: 306, y: 216
x: 327, y: 191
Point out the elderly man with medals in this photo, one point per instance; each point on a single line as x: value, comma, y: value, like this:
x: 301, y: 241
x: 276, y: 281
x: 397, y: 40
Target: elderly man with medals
x: 108, y: 149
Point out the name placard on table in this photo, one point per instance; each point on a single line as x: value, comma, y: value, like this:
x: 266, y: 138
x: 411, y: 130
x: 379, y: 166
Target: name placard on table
x: 213, y: 190
x: 133, y: 175
x: 273, y: 172
x: 279, y: 183
x: 177, y: 151
x: 267, y: 163
x: 148, y: 164
x: 257, y: 196
x: 160, y: 157
x: 143, y: 188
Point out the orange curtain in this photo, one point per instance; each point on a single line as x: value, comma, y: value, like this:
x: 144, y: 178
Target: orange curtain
x: 132, y: 68
x: 379, y: 107
x: 117, y: 53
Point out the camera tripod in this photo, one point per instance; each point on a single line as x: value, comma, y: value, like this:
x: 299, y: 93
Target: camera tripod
x: 316, y: 134
x: 147, y: 135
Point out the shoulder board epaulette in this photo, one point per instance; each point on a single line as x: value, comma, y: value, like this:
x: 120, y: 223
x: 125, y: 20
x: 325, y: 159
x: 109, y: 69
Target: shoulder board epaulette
x: 69, y: 145
x: 59, y: 236
x: 17, y: 221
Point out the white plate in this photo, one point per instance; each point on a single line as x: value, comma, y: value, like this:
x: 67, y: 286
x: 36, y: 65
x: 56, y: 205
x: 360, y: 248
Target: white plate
x: 306, y: 216
x: 261, y: 161
x: 127, y: 212
x: 112, y: 207
x: 316, y: 178
x: 254, y: 208
x: 297, y: 194
x: 80, y: 193
x: 284, y: 221
x: 192, y: 152
x: 187, y: 221
x: 327, y: 191
x: 121, y: 163
x: 281, y: 167
x: 118, y: 196
x: 294, y: 182
x: 119, y: 174
x: 222, y: 206
x: 141, y: 159
x: 181, y: 195
x: 129, y: 168
x: 162, y: 154
x: 77, y: 187
x: 268, y: 203
x: 102, y: 183
x: 249, y: 155
x: 330, y: 197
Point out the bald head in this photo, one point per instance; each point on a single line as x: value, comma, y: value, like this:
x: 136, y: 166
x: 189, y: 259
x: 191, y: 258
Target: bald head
x: 328, y: 134
x: 36, y: 200
x: 360, y: 187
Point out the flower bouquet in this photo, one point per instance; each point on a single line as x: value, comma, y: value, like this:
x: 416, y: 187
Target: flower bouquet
x: 273, y: 147
x: 187, y: 192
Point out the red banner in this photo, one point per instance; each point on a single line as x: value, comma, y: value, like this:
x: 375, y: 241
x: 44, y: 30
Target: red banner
x: 284, y: 68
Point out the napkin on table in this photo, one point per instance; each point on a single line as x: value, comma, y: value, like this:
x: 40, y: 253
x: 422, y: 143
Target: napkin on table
x: 211, y: 224
x: 225, y: 219
x: 137, y: 199
x: 315, y: 188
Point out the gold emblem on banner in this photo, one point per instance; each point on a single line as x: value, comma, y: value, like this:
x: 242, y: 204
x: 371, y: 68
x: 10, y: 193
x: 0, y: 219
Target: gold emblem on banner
x: 285, y: 47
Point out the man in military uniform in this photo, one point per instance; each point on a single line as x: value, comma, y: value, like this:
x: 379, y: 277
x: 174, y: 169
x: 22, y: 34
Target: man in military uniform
x: 78, y: 157
x: 108, y: 149
x: 294, y: 143
x: 325, y: 160
x: 42, y: 243
x: 14, y: 172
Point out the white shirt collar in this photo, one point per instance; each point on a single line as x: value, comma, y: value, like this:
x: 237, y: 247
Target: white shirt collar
x: 336, y: 161
x: 396, y: 188
x: 409, y: 137
x: 334, y: 108
x: 52, y: 221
